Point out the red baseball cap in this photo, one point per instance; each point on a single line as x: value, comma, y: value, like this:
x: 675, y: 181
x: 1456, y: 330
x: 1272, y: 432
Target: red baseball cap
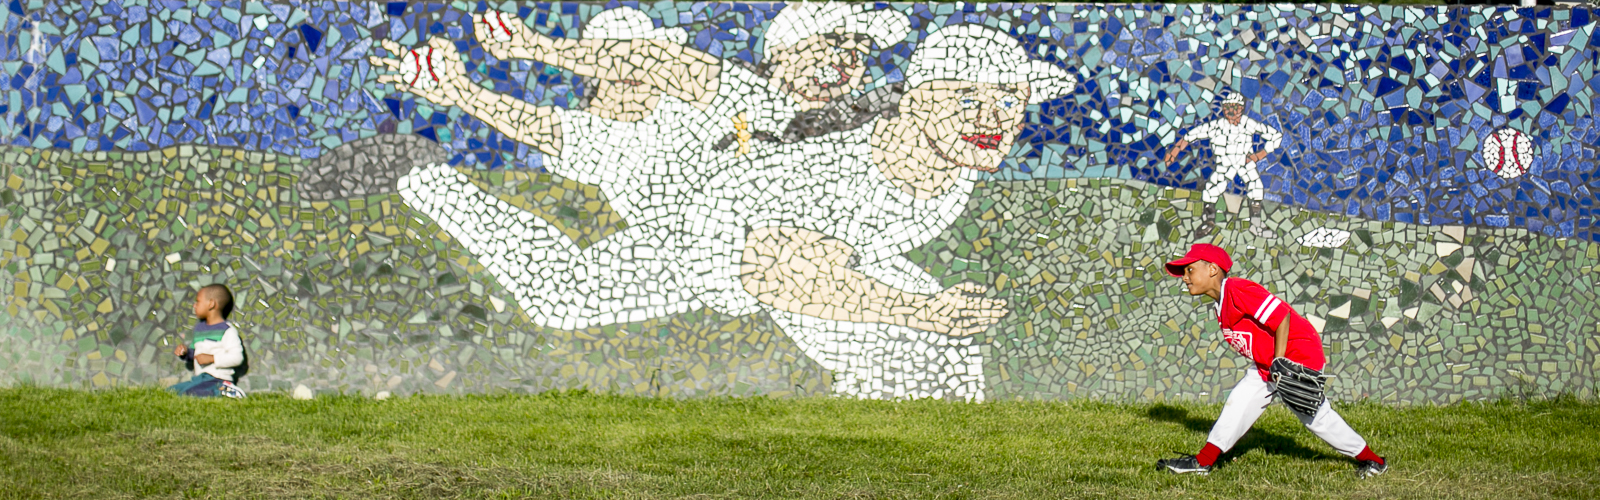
x: 1201, y: 251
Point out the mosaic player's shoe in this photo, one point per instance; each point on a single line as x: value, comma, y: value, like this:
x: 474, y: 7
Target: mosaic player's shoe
x: 1186, y: 464
x: 1258, y: 222
x: 1208, y: 222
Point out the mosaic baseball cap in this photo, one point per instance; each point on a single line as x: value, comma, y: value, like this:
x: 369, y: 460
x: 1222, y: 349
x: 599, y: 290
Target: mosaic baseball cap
x: 799, y: 21
x: 626, y: 23
x: 1198, y: 252
x: 974, y: 53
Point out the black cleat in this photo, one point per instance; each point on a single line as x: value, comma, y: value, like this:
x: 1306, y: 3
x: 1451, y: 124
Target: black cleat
x: 1186, y: 464
x: 1369, y: 468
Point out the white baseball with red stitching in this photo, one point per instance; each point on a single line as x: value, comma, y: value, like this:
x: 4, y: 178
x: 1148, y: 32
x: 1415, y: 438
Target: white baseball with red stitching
x: 418, y: 67
x: 500, y: 26
x: 1508, y: 153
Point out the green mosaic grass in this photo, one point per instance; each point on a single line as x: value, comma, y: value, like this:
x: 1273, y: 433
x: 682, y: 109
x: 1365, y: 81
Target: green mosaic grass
x: 147, y: 444
x: 361, y: 295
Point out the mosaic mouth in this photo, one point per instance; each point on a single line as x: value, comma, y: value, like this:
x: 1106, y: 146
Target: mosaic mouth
x: 983, y: 141
x: 934, y: 145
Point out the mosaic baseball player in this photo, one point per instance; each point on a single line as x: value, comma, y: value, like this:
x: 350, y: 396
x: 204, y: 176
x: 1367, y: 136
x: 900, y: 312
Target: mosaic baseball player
x: 1288, y: 360
x: 1233, y: 140
x: 811, y: 232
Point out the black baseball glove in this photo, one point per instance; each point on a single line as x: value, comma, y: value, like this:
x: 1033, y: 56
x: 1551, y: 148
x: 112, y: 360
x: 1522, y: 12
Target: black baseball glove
x: 1300, y: 388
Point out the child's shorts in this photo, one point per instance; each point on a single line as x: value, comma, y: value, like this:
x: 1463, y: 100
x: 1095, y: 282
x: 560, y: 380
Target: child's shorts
x: 206, y: 386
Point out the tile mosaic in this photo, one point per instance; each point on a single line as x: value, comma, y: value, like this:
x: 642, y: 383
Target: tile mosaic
x: 968, y: 201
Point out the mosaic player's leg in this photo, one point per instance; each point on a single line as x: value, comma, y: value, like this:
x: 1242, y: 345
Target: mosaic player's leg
x: 883, y: 361
x: 1215, y: 186
x: 1255, y: 191
x: 629, y: 276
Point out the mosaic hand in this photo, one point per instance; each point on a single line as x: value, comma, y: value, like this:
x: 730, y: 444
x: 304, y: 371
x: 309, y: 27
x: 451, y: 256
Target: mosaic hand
x: 433, y: 71
x: 959, y: 310
x: 502, y: 34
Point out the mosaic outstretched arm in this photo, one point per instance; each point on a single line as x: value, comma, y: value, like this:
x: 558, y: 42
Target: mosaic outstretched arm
x: 681, y: 71
x: 1175, y: 150
x: 434, y: 72
x: 807, y: 272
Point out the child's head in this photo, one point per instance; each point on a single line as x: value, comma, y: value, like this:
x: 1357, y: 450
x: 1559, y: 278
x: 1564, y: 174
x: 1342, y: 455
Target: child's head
x: 213, y: 301
x: 1203, y: 268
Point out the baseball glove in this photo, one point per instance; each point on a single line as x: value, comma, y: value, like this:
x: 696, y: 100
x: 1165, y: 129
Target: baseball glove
x: 1300, y: 388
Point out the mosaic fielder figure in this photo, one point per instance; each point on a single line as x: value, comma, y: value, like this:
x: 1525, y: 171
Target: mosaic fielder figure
x: 1233, y: 141
x: 811, y: 232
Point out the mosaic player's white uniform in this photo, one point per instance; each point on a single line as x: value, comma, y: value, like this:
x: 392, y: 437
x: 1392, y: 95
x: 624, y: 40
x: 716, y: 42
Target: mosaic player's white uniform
x: 654, y: 161
x: 1233, y: 145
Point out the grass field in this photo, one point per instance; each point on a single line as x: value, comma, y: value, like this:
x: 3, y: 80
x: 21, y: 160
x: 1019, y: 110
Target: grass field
x: 148, y: 444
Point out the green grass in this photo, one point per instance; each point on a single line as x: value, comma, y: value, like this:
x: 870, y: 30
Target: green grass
x: 148, y: 444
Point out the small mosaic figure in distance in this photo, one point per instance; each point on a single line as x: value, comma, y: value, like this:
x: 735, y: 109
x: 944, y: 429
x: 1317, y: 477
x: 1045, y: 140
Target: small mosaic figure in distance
x: 1233, y: 140
x: 1287, y: 357
x: 214, y: 351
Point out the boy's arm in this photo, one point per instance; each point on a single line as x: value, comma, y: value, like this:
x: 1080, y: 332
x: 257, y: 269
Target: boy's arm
x: 229, y: 352
x: 1281, y: 340
x: 1270, y: 312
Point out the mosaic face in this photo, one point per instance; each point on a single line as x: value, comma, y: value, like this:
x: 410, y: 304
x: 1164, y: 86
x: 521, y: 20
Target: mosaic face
x: 1233, y: 112
x: 966, y: 124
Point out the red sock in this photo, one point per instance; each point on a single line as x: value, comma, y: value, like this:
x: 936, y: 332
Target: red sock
x: 1208, y: 455
x: 1367, y: 454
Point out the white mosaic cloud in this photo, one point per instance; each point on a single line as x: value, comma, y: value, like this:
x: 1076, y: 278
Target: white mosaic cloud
x: 1324, y: 237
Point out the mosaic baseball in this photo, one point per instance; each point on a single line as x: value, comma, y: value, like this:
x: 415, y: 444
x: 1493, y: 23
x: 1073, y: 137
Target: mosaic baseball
x: 888, y: 201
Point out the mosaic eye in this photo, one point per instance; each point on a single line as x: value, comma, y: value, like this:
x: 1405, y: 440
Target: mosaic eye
x: 1008, y: 102
x: 969, y: 103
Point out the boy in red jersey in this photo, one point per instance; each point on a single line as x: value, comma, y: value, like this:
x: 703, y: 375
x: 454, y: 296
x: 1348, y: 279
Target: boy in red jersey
x: 1269, y: 332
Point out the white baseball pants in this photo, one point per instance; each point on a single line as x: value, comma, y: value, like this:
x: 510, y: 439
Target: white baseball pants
x: 1251, y: 397
x: 1223, y: 176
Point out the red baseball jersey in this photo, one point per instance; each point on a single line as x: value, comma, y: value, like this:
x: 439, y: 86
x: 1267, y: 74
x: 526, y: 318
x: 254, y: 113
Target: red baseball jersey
x: 1250, y: 315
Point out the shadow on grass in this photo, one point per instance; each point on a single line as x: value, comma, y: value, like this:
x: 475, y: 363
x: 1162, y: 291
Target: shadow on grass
x: 1264, y: 440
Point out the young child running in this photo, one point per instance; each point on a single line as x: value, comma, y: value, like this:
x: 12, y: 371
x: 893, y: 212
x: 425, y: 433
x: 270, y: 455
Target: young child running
x: 1288, y: 357
x: 214, y: 350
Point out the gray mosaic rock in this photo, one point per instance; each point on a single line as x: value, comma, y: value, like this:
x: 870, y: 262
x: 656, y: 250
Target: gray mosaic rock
x: 368, y: 166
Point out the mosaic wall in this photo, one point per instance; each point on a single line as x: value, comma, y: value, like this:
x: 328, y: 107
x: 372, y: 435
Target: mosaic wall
x: 866, y: 200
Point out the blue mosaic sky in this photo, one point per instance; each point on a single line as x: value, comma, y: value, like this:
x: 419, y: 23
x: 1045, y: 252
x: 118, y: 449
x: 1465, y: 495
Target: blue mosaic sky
x: 1383, y: 108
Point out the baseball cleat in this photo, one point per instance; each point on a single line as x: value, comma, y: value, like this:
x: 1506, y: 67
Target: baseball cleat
x: 499, y: 26
x: 1369, y: 468
x: 1186, y: 464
